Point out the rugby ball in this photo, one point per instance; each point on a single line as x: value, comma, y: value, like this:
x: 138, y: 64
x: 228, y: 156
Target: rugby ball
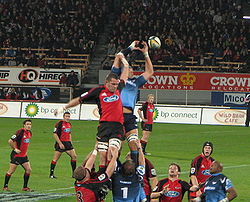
x: 154, y: 42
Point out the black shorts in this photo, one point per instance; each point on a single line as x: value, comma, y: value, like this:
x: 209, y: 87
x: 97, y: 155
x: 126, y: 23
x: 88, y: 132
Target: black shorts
x: 129, y: 122
x: 18, y: 160
x: 67, y: 144
x: 109, y: 130
x: 146, y: 127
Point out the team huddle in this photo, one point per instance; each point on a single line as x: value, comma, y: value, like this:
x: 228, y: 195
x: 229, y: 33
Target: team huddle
x: 135, y: 179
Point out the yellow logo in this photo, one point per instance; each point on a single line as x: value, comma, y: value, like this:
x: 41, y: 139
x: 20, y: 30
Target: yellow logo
x: 188, y: 80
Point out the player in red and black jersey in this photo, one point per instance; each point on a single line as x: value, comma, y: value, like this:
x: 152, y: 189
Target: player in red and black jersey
x: 20, y: 143
x: 93, y: 187
x: 146, y: 113
x: 110, y: 130
x: 172, y: 188
x: 200, y: 166
x: 149, y: 179
x: 62, y: 135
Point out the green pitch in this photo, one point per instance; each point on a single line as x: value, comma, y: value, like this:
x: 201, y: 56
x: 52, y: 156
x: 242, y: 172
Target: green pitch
x: 168, y: 143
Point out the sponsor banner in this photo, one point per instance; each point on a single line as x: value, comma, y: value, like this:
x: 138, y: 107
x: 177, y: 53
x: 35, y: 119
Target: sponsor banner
x: 33, y: 76
x: 223, y: 116
x: 89, y: 112
x: 46, y: 111
x: 161, y: 114
x: 228, y: 98
x: 10, y: 109
x: 176, y: 115
x: 198, y: 81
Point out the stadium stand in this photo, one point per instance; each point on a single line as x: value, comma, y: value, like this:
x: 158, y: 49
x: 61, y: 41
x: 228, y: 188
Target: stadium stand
x: 200, y: 34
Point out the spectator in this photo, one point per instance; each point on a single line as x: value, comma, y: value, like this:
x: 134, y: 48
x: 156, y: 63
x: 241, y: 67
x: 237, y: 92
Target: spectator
x: 73, y: 79
x: 63, y: 80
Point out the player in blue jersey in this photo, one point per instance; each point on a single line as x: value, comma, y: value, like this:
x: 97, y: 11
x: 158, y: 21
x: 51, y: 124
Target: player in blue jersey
x: 218, y: 188
x: 130, y: 92
x: 127, y: 180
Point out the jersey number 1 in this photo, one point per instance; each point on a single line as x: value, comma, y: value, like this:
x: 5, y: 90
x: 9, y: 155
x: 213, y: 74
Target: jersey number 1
x: 124, y: 192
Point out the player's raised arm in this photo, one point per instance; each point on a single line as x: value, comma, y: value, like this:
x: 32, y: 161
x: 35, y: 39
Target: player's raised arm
x: 116, y: 67
x: 71, y: 103
x: 149, y: 70
x: 112, y: 164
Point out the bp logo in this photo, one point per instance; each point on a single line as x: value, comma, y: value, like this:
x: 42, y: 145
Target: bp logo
x: 156, y: 113
x: 31, y: 110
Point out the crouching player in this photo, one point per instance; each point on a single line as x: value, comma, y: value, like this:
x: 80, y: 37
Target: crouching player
x: 91, y: 186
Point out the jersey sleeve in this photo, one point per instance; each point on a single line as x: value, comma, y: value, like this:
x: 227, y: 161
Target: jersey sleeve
x: 194, y: 167
x: 226, y: 183
x: 140, y: 81
x: 151, y: 169
x: 18, y: 135
x: 185, y: 185
x: 121, y: 85
x: 92, y: 94
x: 116, y: 70
x: 58, y: 128
x: 143, y: 107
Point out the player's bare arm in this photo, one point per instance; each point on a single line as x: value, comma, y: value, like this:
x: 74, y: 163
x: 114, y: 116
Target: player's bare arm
x: 141, y: 115
x: 149, y: 70
x: 58, y: 141
x: 111, y: 167
x: 72, y: 103
x: 232, y: 194
x: 14, y: 146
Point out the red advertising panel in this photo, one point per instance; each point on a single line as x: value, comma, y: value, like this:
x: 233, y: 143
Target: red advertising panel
x: 198, y: 81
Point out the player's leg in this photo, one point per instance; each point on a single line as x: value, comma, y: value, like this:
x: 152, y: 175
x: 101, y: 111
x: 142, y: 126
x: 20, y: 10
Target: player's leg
x: 26, y: 175
x: 114, y: 143
x: 72, y: 154
x: 57, y: 155
x: 11, y: 170
x: 131, y: 134
x: 132, y: 137
x: 102, y: 148
x: 144, y: 140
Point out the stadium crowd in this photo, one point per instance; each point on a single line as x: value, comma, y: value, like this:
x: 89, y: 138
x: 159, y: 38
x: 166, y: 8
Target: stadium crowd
x: 186, y: 29
x: 59, y: 26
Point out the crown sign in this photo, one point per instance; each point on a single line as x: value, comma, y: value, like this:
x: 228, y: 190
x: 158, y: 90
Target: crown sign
x: 187, y: 79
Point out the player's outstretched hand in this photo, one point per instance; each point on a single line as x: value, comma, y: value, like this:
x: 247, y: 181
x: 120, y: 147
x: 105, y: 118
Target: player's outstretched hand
x: 134, y: 45
x: 145, y: 47
x: 17, y: 150
x: 59, y: 111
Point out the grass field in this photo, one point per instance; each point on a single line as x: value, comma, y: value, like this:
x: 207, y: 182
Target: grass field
x: 168, y: 143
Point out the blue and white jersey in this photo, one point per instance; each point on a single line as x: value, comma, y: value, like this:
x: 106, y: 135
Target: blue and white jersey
x: 130, y: 91
x: 127, y: 188
x: 216, y: 187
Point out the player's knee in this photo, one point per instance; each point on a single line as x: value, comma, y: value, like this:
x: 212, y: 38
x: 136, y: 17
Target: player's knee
x: 73, y: 157
x: 132, y: 137
x: 28, y: 170
x: 102, y: 146
x: 115, y: 143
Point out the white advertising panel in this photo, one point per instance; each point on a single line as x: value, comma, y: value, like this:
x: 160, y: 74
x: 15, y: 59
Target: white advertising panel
x: 89, y: 112
x: 223, y: 116
x: 46, y: 111
x: 176, y: 115
x: 10, y: 109
x: 33, y: 76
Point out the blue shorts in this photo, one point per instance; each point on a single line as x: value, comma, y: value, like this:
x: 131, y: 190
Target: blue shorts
x: 129, y: 122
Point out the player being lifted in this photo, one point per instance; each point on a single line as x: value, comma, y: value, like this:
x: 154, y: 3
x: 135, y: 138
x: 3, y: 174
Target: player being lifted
x: 107, y: 97
x: 62, y: 135
x: 130, y: 92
